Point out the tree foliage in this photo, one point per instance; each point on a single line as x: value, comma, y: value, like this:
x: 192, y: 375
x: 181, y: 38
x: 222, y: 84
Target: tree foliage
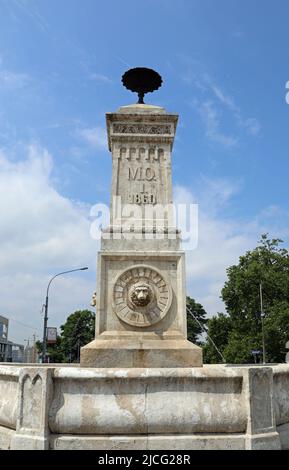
x: 268, y: 265
x: 194, y: 329
x: 219, y: 328
x: 77, y: 331
x: 53, y: 351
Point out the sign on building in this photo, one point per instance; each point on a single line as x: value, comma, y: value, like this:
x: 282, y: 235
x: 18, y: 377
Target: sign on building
x: 51, y: 335
x: 4, y: 328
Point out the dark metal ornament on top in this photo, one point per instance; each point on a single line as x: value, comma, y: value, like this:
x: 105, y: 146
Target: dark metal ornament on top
x: 141, y: 80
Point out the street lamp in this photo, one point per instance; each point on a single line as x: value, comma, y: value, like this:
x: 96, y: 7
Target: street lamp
x: 46, y: 309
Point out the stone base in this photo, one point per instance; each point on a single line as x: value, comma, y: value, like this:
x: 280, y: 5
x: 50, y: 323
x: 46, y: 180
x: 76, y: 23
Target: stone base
x: 211, y: 407
x: 163, y: 442
x: 283, y: 432
x: 140, y: 351
x: 268, y: 441
x: 6, y: 436
x: 29, y: 442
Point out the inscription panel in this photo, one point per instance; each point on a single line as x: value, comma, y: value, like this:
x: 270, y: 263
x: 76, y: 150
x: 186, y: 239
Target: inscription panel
x: 142, y: 174
x: 142, y: 193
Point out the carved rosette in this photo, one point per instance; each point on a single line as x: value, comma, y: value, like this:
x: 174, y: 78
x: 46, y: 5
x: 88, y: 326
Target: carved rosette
x: 141, y: 296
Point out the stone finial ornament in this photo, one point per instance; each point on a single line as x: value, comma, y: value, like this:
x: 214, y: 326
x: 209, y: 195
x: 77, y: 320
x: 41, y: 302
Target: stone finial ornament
x: 141, y: 80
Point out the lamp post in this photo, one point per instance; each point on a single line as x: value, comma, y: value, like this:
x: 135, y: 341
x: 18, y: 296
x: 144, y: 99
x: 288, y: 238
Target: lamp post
x: 46, y: 309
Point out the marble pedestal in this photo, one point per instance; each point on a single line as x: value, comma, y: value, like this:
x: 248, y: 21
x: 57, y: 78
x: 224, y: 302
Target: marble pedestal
x: 142, y: 350
x: 141, y: 292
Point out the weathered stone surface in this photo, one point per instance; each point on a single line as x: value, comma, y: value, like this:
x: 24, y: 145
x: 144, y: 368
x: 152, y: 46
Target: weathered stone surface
x: 259, y: 391
x: 214, y: 407
x: 5, y: 437
x: 166, y: 442
x: 141, y: 353
x: 280, y: 392
x: 283, y: 432
x: 34, y: 395
x: 141, y: 384
x: 144, y: 259
x: 132, y: 401
x: 113, y: 264
x: 8, y: 396
x: 267, y: 441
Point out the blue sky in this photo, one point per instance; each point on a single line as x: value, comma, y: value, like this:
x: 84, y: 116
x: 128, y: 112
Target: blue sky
x: 224, y: 66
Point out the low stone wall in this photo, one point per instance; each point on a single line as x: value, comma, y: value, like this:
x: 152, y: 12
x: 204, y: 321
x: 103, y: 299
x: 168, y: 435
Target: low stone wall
x: 9, y: 383
x: 281, y: 393
x: 214, y: 407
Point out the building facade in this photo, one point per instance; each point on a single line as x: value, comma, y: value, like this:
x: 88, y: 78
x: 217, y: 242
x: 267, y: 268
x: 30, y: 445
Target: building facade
x: 4, y: 347
x: 9, y: 351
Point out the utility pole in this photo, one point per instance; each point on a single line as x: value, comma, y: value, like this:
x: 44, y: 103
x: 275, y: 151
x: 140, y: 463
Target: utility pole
x: 34, y: 349
x: 78, y: 350
x: 27, y: 351
x: 262, y: 321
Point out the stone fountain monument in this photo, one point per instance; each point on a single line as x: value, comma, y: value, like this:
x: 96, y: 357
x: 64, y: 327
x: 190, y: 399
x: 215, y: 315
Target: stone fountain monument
x: 140, y: 384
x: 141, y: 294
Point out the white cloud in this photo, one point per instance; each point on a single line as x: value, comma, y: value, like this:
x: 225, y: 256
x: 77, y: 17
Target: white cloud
x: 225, y: 99
x: 211, y: 119
x: 221, y: 239
x: 220, y: 244
x: 95, y: 136
x: 214, y: 194
x: 212, y: 102
x: 9, y: 79
x: 251, y: 125
x: 98, y: 77
x: 41, y: 233
x: 18, y: 7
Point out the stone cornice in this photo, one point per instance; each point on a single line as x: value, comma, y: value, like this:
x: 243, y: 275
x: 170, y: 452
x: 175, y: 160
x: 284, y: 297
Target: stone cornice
x: 141, y: 128
x: 149, y: 118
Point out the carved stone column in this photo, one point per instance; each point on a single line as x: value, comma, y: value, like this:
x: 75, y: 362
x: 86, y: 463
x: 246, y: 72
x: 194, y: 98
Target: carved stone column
x: 141, y: 294
x: 261, y: 426
x: 35, y: 393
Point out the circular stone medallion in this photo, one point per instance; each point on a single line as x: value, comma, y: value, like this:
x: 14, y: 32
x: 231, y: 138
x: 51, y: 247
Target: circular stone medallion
x: 141, y: 296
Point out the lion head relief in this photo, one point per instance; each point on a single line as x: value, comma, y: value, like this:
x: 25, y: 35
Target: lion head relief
x: 140, y: 294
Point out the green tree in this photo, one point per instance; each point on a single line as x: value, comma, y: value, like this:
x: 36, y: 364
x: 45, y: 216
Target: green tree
x: 277, y: 331
x: 77, y: 331
x: 54, y: 351
x: 219, y: 328
x: 267, y: 264
x: 239, y: 347
x: 194, y: 329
